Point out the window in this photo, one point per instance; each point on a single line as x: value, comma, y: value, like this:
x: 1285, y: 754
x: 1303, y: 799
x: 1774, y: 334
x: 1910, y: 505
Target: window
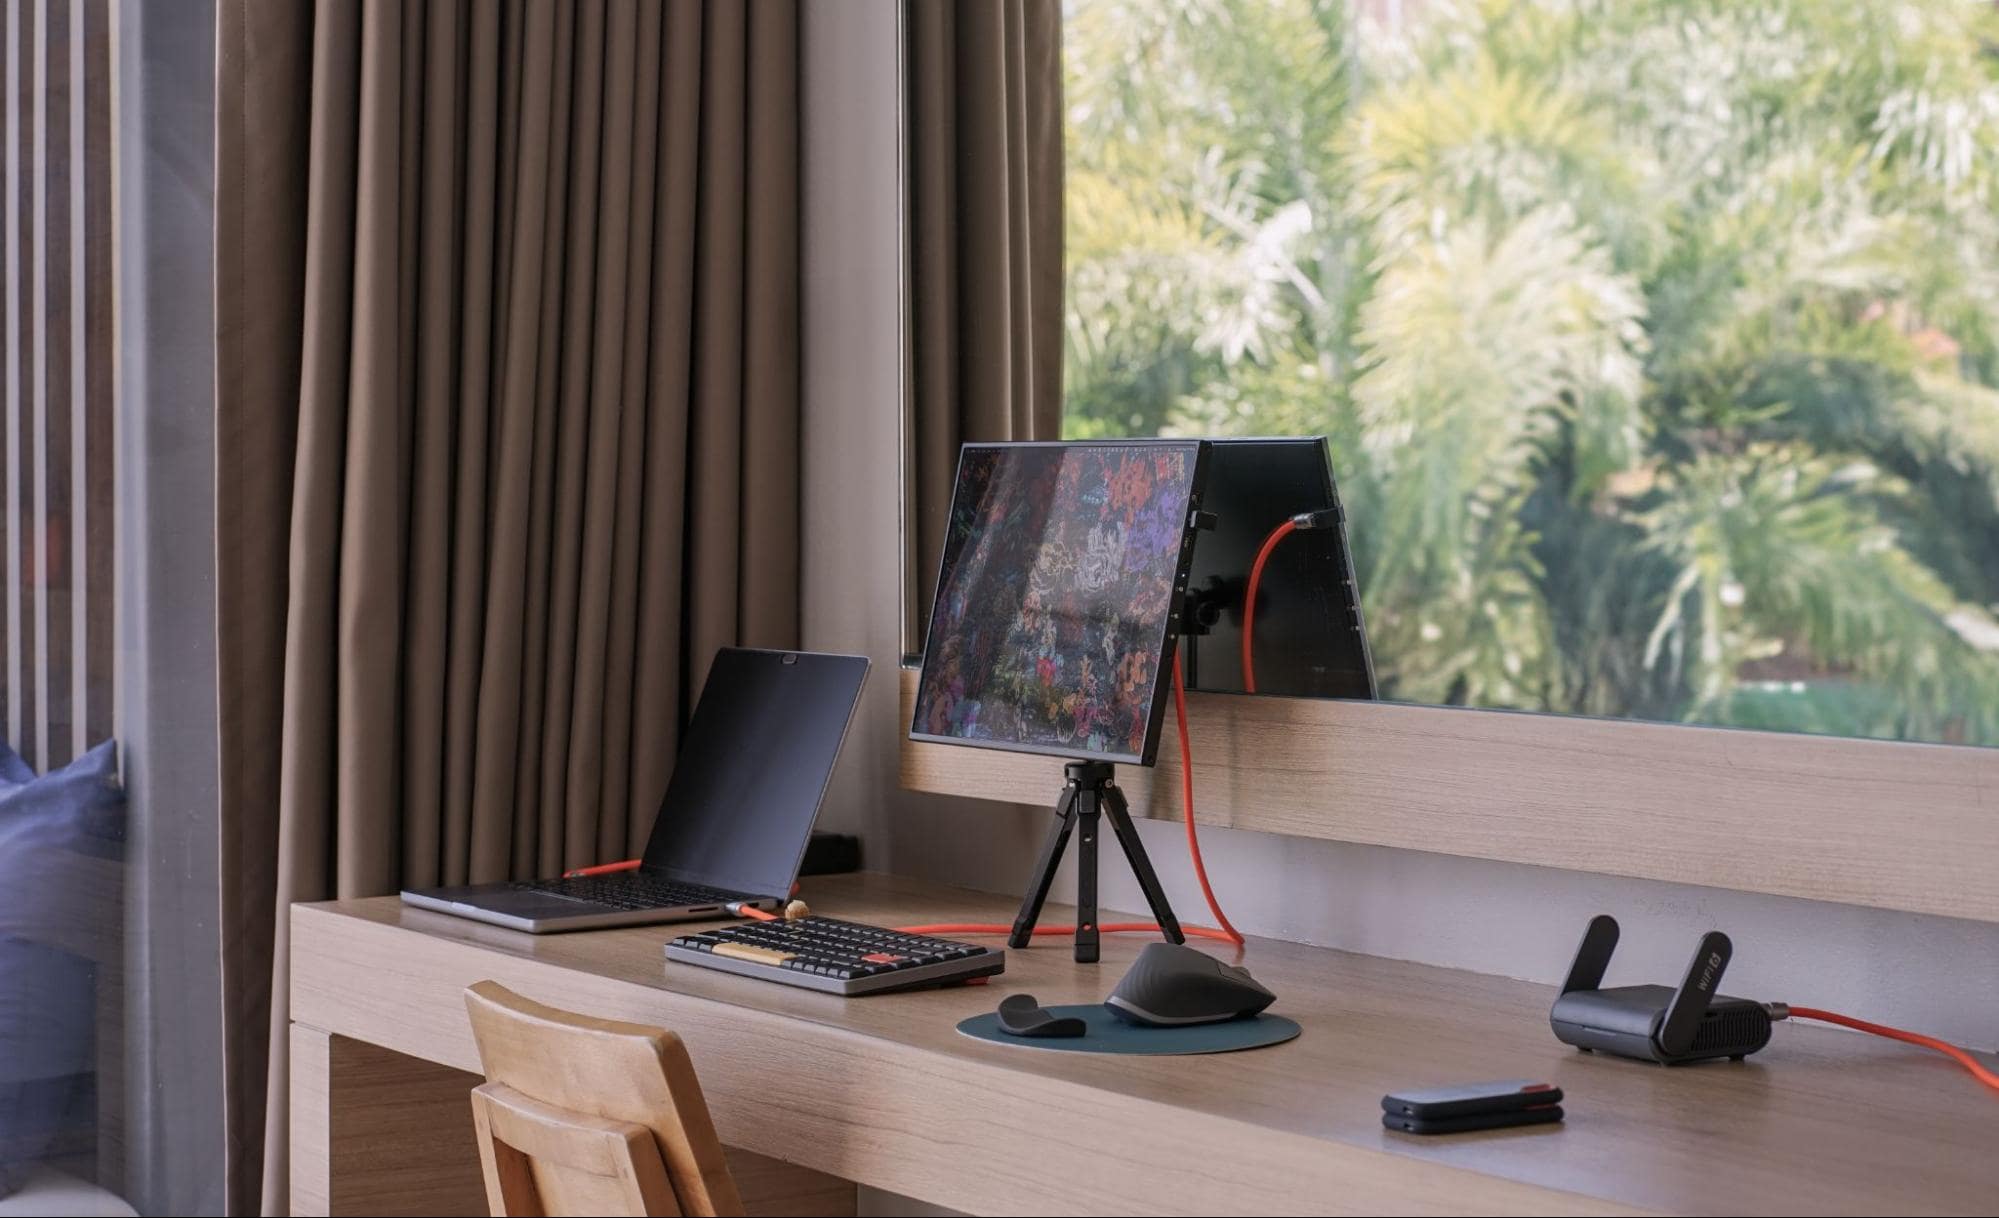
x: 62, y: 942
x: 1656, y: 344
x: 110, y: 1054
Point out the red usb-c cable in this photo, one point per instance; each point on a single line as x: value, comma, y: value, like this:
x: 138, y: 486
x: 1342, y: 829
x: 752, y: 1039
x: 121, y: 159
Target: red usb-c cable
x: 1249, y: 601
x: 1229, y: 932
x: 1324, y: 518
x: 1979, y: 1070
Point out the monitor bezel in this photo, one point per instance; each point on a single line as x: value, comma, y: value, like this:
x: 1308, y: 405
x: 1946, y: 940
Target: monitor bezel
x: 1163, y: 680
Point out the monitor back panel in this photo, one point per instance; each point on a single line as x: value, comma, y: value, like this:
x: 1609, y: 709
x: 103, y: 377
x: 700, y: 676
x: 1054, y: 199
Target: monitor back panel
x: 1311, y: 640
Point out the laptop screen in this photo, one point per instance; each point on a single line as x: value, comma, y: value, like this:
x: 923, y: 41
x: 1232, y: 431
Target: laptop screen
x: 753, y: 768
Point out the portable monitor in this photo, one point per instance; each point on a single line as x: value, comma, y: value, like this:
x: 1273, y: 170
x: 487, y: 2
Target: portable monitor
x: 1059, y: 597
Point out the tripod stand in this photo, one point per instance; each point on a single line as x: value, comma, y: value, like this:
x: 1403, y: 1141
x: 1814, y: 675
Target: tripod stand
x: 1091, y: 792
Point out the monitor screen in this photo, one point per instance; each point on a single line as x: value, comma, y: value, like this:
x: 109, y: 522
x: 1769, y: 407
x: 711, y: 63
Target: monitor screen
x: 1311, y: 641
x: 1058, y: 597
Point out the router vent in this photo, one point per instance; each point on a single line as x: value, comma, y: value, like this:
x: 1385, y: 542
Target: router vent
x: 1744, y: 1027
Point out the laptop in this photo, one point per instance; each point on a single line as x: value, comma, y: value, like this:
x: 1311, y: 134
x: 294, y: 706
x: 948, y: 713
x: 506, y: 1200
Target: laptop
x: 754, y: 766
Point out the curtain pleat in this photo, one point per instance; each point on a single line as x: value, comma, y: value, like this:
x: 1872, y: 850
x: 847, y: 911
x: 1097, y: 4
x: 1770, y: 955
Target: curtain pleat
x: 439, y: 270
x: 715, y: 462
x: 260, y: 261
x: 620, y: 632
x: 483, y: 269
x: 983, y: 112
x: 770, y: 494
x: 656, y: 701
x: 544, y: 169
x: 509, y: 413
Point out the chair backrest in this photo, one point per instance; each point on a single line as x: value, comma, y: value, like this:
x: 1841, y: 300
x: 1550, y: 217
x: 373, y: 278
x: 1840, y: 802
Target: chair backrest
x: 590, y: 1116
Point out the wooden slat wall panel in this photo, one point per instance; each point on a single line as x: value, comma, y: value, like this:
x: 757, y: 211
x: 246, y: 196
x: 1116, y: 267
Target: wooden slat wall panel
x: 94, y: 274
x: 20, y: 457
x: 9, y: 452
x: 55, y: 325
x: 51, y: 437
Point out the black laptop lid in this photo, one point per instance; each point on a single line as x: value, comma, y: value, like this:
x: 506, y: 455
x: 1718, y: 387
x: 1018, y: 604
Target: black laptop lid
x: 753, y: 769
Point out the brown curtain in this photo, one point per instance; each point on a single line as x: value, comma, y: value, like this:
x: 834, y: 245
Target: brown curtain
x: 508, y: 373
x: 983, y: 113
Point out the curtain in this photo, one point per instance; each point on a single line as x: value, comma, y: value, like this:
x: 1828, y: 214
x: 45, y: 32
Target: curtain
x: 983, y: 115
x: 507, y: 444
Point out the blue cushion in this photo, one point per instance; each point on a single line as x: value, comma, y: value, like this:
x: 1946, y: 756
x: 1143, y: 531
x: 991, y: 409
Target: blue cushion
x: 57, y: 835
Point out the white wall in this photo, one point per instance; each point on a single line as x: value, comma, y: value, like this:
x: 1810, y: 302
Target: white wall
x: 852, y: 380
x: 1936, y: 974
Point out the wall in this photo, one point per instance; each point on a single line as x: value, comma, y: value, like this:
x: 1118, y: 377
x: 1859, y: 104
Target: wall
x: 852, y: 362
x: 1940, y: 975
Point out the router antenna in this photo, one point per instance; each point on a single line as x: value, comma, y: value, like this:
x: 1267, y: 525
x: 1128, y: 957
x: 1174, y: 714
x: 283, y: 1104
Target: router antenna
x: 1689, y: 1006
x: 1592, y: 955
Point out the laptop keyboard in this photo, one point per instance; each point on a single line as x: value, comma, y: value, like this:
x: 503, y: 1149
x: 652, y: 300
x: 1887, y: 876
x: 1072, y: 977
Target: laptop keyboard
x: 633, y: 890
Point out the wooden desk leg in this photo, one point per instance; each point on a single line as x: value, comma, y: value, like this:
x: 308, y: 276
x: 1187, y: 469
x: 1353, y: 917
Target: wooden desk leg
x: 374, y: 1131
x: 772, y: 1188
x: 379, y: 1132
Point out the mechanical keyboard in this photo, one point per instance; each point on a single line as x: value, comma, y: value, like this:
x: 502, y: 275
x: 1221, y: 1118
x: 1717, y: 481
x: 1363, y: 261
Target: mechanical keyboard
x: 836, y: 957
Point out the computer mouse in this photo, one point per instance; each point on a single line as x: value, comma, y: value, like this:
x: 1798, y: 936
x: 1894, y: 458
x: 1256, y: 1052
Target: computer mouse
x: 1171, y: 985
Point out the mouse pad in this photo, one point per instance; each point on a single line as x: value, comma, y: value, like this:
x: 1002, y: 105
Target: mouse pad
x: 1106, y: 1033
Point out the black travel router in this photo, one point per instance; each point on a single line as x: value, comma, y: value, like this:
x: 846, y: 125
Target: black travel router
x: 1654, y: 1022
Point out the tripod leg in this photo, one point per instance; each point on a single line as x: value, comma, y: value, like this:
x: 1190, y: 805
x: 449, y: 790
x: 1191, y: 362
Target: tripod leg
x: 1141, y: 865
x: 1043, y: 878
x: 1087, y: 809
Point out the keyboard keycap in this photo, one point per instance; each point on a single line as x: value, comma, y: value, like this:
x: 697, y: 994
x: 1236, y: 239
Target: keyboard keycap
x: 746, y: 951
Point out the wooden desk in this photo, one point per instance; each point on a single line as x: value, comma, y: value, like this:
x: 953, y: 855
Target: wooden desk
x: 885, y: 1092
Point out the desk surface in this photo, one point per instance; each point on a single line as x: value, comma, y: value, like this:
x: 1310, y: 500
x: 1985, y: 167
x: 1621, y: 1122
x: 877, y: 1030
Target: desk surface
x: 884, y: 1091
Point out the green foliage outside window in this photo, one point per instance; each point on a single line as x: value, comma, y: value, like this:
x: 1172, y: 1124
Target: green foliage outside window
x: 1656, y: 340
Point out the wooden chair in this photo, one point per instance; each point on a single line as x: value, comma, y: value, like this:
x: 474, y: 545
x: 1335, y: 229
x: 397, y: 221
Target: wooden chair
x: 590, y: 1116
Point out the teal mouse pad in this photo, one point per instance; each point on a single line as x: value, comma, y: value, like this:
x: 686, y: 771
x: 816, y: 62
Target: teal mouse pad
x: 1106, y: 1033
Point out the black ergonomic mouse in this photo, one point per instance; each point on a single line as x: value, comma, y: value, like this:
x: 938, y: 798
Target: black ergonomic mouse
x: 1171, y: 985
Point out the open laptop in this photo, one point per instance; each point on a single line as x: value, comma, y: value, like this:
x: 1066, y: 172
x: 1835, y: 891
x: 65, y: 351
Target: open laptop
x: 753, y: 768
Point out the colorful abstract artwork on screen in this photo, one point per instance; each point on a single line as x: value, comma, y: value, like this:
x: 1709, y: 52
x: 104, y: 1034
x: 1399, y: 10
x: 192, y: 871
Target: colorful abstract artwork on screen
x: 1054, y: 594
